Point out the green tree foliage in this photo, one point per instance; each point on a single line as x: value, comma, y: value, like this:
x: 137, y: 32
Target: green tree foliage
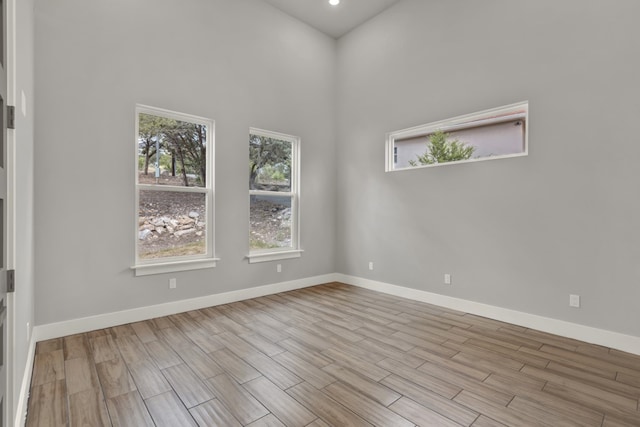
x: 441, y: 149
x: 270, y: 156
x: 187, y: 143
x: 184, y: 142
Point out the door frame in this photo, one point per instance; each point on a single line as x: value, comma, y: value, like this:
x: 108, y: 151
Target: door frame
x: 11, y: 418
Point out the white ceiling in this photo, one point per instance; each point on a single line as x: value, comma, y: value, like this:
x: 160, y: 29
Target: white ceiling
x: 333, y: 20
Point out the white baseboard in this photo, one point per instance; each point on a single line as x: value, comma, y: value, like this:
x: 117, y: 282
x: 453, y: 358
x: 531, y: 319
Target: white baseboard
x: 618, y: 341
x: 23, y: 398
x: 628, y: 343
x: 86, y: 324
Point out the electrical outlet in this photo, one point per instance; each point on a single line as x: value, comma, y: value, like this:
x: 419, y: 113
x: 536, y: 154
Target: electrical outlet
x: 173, y: 283
x: 447, y: 279
x: 279, y: 268
x: 574, y: 301
x: 370, y: 265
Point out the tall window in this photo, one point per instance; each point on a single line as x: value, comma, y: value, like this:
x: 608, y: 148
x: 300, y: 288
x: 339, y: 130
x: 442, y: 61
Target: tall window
x: 174, y: 191
x: 274, y: 183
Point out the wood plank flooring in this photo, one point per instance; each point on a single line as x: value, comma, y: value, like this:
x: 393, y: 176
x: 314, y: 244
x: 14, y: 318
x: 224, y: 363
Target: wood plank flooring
x: 330, y: 355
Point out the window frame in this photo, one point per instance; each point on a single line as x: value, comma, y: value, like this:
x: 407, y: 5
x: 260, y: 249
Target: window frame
x: 295, y: 251
x: 143, y: 267
x: 468, y: 121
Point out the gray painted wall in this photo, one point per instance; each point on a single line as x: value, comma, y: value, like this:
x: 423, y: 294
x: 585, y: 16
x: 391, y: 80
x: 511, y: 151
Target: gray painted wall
x: 241, y: 63
x: 519, y: 233
x: 24, y: 196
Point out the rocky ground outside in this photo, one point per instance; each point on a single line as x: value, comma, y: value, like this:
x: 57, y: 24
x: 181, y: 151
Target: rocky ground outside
x: 174, y: 223
x: 270, y: 225
x: 171, y: 224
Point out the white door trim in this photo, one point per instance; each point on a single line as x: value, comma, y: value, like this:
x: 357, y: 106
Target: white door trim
x: 11, y: 213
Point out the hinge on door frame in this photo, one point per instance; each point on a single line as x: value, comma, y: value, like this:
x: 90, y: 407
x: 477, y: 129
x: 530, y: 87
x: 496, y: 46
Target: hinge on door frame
x: 11, y: 281
x: 11, y: 117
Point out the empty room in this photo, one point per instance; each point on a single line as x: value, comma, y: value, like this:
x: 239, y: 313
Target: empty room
x: 438, y: 224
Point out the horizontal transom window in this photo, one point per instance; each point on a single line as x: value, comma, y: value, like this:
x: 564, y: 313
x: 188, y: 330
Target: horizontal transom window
x: 491, y: 134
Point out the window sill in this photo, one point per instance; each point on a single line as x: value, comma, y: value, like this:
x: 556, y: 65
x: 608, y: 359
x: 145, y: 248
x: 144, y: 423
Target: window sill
x: 458, y: 162
x: 171, y: 267
x: 273, y: 256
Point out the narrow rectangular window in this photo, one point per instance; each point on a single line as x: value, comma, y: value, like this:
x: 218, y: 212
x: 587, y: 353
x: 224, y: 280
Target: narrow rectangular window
x: 174, y: 191
x: 491, y: 134
x: 274, y: 189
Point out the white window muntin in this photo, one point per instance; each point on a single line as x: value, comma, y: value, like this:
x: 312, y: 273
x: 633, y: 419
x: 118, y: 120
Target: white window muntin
x: 506, y: 113
x: 187, y: 262
x: 294, y: 251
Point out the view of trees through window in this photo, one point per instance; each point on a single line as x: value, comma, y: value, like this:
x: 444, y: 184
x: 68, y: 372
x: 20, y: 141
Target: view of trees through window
x: 271, y: 192
x: 441, y: 148
x: 173, y: 151
x: 172, y: 181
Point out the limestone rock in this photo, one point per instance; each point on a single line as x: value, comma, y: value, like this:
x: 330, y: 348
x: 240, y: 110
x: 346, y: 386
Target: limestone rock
x: 181, y: 233
x: 144, y: 234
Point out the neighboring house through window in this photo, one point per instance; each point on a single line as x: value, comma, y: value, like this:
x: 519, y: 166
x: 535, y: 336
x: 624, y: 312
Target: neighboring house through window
x: 491, y: 134
x: 174, y: 191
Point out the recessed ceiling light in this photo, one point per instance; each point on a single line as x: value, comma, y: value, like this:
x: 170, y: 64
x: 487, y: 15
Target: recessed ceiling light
x: 334, y: 2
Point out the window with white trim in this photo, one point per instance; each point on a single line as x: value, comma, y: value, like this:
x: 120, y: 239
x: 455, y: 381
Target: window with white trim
x: 274, y: 189
x: 174, y: 191
x: 497, y: 133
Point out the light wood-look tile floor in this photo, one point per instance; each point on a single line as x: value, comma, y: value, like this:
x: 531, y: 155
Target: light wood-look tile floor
x: 331, y: 355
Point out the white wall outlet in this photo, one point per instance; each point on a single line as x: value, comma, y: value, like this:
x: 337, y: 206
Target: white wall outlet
x: 370, y: 265
x: 279, y: 268
x: 173, y: 283
x: 447, y: 279
x: 574, y: 301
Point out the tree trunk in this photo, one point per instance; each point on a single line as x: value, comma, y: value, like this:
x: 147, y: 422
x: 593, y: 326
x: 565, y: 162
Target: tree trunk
x: 253, y: 175
x: 203, y: 176
x: 146, y: 163
x: 184, y: 176
x: 184, y: 169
